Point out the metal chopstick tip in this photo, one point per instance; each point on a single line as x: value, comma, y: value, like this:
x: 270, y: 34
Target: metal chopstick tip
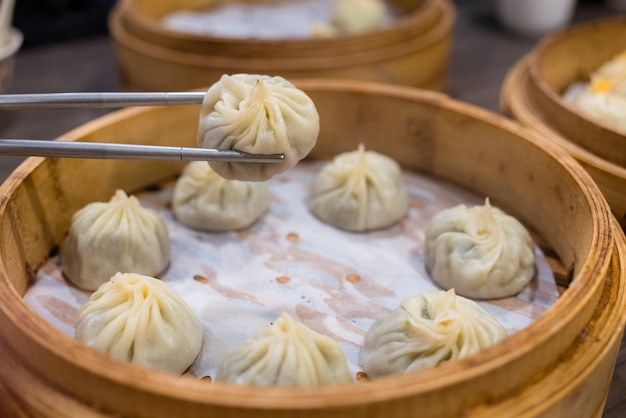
x: 261, y: 158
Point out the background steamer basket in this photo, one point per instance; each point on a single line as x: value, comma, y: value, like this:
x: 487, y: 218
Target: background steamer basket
x: 144, y: 20
x: 516, y: 101
x: 414, y: 51
x: 563, y: 58
x: 542, y: 369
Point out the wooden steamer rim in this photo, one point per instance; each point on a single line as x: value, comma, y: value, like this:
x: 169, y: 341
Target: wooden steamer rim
x: 426, y: 121
x: 516, y: 102
x: 571, y: 55
x: 142, y: 18
x: 577, y: 384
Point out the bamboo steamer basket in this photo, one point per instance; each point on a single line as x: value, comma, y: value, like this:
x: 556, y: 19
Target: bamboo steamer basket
x: 560, y: 364
x: 413, y: 52
x: 565, y: 57
x: 144, y: 20
x: 517, y: 102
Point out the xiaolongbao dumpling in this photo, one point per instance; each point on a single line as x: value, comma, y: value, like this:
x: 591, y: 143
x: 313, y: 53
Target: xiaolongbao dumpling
x: 353, y: 16
x: 202, y: 199
x: 480, y: 251
x: 141, y: 320
x: 601, y: 102
x: 257, y: 114
x: 115, y: 236
x: 426, y: 330
x: 613, y: 69
x: 359, y: 191
x: 286, y: 353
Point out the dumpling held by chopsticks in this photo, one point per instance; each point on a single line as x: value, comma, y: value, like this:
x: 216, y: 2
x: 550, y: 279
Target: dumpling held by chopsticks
x: 257, y: 114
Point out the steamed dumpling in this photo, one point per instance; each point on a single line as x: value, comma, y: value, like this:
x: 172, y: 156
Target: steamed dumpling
x: 353, y: 16
x: 601, y: 102
x: 426, y: 330
x: 141, y: 320
x: 286, y: 353
x: 204, y: 200
x: 359, y: 191
x: 257, y: 114
x: 480, y: 251
x: 115, y: 236
x: 604, y: 98
x: 614, y: 69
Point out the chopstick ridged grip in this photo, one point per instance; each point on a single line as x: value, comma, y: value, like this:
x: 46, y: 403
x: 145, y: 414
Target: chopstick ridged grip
x: 97, y: 100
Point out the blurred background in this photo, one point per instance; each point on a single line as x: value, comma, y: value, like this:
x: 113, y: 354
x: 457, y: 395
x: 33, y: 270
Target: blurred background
x: 45, y: 22
x: 67, y: 47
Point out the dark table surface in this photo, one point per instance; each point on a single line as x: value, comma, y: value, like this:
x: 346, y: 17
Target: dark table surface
x: 482, y: 54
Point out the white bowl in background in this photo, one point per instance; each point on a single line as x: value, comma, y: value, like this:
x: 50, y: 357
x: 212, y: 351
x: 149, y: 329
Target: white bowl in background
x: 534, y: 18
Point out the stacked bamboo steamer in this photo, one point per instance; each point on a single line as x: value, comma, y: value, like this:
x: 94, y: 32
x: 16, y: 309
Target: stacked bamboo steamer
x: 560, y: 365
x: 414, y: 50
x: 533, y: 94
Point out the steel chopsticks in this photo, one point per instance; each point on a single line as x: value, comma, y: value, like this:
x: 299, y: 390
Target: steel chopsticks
x: 43, y: 148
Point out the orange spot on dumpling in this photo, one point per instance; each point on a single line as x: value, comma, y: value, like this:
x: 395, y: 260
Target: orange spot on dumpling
x: 602, y: 85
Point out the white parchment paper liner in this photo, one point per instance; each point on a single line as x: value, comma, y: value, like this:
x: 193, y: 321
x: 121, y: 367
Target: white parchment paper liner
x: 335, y: 282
